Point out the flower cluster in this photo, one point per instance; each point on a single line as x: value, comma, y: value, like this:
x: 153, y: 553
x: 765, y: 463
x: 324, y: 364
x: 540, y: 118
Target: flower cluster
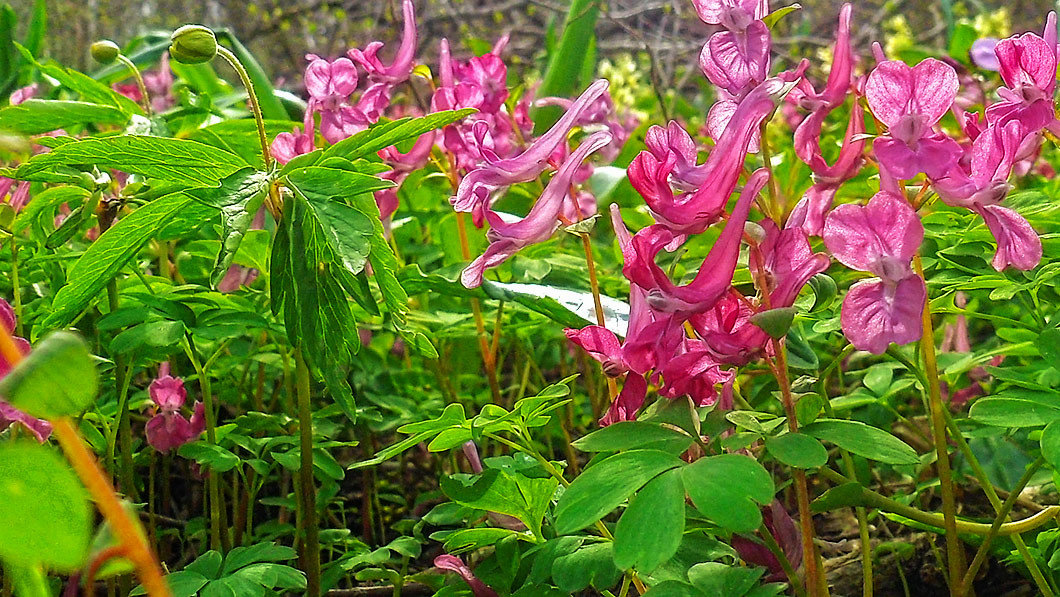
x: 687, y: 338
x: 168, y: 428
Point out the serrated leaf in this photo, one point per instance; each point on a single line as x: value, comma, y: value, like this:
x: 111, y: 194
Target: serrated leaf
x: 36, y: 116
x: 108, y: 254
x: 176, y: 160
x: 238, y: 198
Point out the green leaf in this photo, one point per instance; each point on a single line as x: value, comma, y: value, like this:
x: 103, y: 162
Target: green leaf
x: 238, y: 197
x: 340, y: 180
x: 109, y: 253
x: 728, y: 489
x: 88, y: 88
x: 651, y: 528
x: 863, y: 440
x: 1023, y: 410
x: 499, y: 491
x: 1049, y: 346
x: 36, y: 116
x: 591, y: 564
x: 46, y: 202
x: 348, y: 232
x: 176, y: 160
x: 772, y: 18
x: 384, y: 134
x: 57, y: 379
x: 797, y: 450
x: 1051, y: 443
x: 603, y: 486
x: 715, y: 578
x: 841, y: 496
x: 213, y: 457
x: 38, y: 26
x: 44, y: 513
x: 627, y: 435
x: 465, y: 540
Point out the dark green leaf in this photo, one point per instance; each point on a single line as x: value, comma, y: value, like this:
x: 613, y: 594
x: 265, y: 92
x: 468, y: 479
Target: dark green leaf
x: 1016, y: 411
x: 627, y: 435
x: 238, y: 197
x: 592, y: 564
x: 108, y: 254
x: 715, y: 578
x: 498, y: 491
x: 842, y: 496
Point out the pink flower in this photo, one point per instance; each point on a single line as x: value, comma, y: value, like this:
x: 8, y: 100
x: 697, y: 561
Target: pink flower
x: 1028, y: 66
x: 881, y: 237
x: 506, y: 238
x: 476, y: 189
x: 910, y: 101
x: 23, y: 93
x: 714, y: 181
x: 159, y: 85
x: 732, y: 14
x: 714, y: 276
x: 287, y: 146
x: 10, y: 415
x: 455, y: 564
x: 330, y: 85
x: 736, y: 62
x: 399, y: 70
x: 168, y: 429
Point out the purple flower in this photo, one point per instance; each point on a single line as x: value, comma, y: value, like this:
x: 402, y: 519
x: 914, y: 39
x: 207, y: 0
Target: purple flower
x: 910, y: 101
x: 399, y: 70
x: 168, y: 428
x: 330, y: 85
x: 737, y: 61
x: 1027, y: 64
x: 982, y: 54
x: 506, y: 238
x: 881, y: 238
x: 787, y: 535
x: 477, y: 188
x: 455, y: 564
x: 732, y: 14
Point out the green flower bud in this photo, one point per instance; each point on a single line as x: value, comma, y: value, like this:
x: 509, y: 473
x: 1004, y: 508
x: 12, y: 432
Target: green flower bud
x: 105, y: 51
x: 775, y: 322
x: 193, y: 44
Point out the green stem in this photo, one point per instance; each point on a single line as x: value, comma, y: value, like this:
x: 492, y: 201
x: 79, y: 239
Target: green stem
x: 128, y: 481
x: 218, y: 530
x: 983, y: 478
x: 311, y: 543
x: 954, y: 549
x: 112, y: 431
x: 774, y: 548
x: 1002, y: 515
x: 145, y: 100
x: 874, y: 500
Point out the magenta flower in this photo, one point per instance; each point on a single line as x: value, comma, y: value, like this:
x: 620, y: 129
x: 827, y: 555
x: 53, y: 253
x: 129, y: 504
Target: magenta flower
x: 9, y: 415
x: 477, y: 188
x: 399, y: 70
x: 714, y: 276
x: 881, y: 237
x: 734, y: 15
x: 1027, y: 64
x: 455, y: 564
x: 330, y: 85
x: 737, y: 61
x: 506, y: 238
x: 714, y: 181
x: 168, y: 428
x: 287, y: 146
x: 23, y: 93
x: 910, y: 101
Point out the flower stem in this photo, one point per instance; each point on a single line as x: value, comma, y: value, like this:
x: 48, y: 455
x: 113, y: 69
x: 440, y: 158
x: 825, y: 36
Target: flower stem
x: 594, y: 283
x: 311, y: 542
x: 785, y: 564
x: 984, y: 549
x: 218, y: 528
x: 480, y: 325
x: 802, y: 494
x: 984, y: 480
x: 255, y: 108
x: 145, y: 100
x: 954, y: 549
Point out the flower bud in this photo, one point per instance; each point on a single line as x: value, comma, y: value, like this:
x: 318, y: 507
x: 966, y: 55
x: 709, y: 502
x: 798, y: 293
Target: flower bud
x: 824, y: 290
x: 754, y: 231
x: 105, y: 51
x: 775, y: 322
x: 193, y: 44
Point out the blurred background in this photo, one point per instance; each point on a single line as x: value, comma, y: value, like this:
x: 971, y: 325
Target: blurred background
x: 663, y: 36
